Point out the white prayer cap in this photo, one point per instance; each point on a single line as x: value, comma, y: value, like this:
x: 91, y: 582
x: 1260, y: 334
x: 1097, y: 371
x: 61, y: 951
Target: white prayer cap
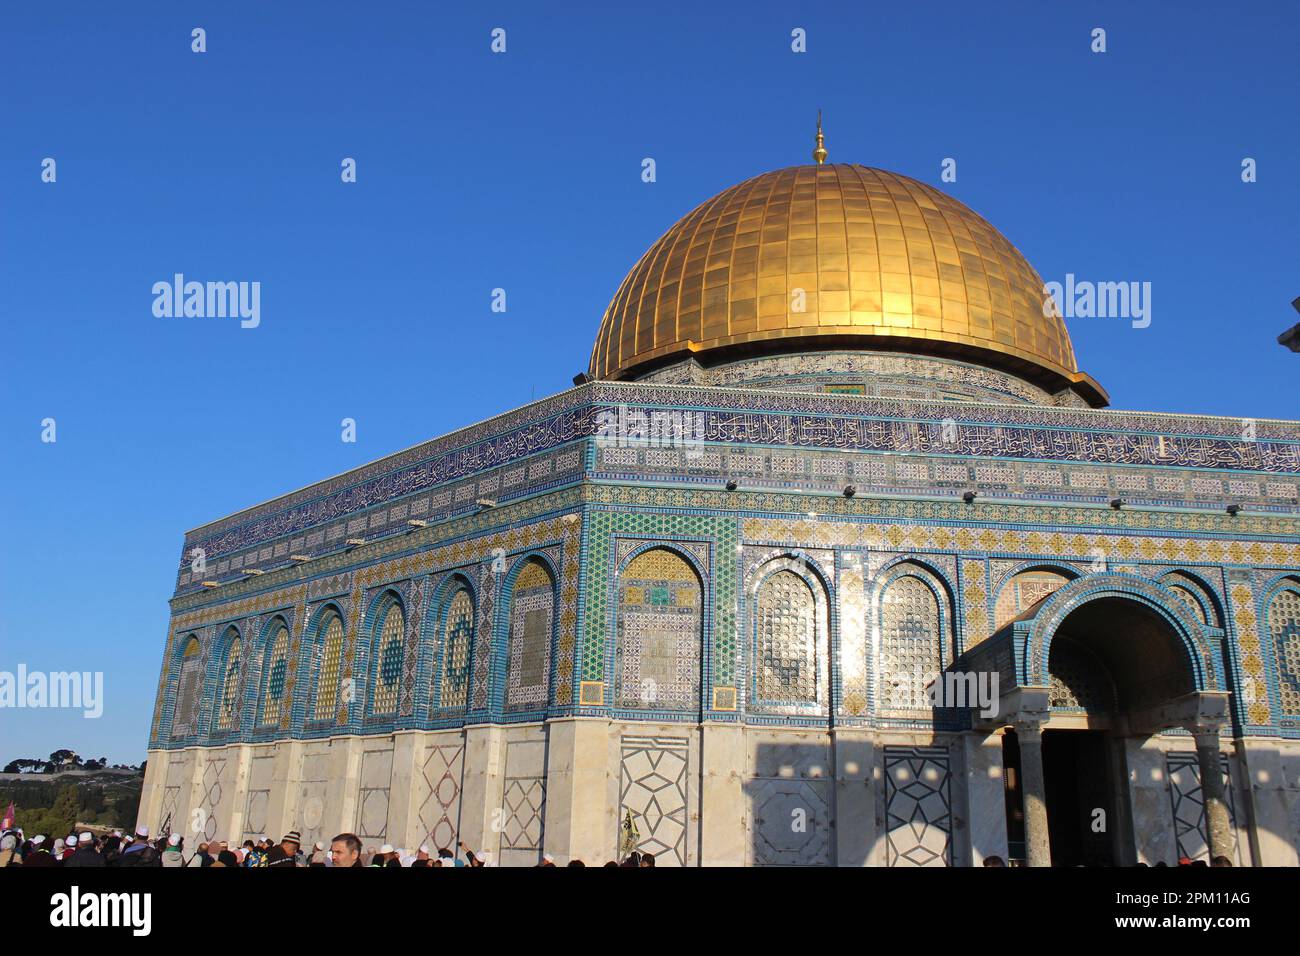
x: 70, y: 839
x: 424, y: 848
x: 174, y: 839
x: 58, y: 844
x: 142, y: 831
x: 86, y: 838
x: 319, y: 845
x: 8, y: 841
x: 118, y: 834
x: 386, y: 848
x: 38, y: 839
x: 546, y: 857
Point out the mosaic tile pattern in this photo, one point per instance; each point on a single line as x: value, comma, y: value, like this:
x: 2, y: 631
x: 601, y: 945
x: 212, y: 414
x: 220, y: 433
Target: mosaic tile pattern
x: 457, y: 642
x: 786, y: 662
x: 275, y: 677
x: 974, y: 583
x: 1284, y: 629
x: 532, y: 610
x: 388, y: 669
x: 327, y: 684
x: 189, y: 687
x: 657, y: 652
x: 1188, y: 597
x: 720, y: 617
x: 853, y: 636
x: 1254, y: 682
x: 228, y: 704
x: 910, y: 644
x: 1139, y: 541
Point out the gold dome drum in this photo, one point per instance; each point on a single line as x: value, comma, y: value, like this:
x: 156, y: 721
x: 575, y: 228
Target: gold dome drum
x: 834, y: 256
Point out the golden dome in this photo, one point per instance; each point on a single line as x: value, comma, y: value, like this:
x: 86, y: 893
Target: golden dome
x: 880, y: 261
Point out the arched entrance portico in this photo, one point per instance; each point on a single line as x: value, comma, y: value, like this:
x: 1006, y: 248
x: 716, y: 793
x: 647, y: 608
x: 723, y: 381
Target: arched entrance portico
x: 1102, y: 659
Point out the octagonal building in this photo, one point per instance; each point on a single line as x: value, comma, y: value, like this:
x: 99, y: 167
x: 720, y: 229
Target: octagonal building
x: 833, y: 558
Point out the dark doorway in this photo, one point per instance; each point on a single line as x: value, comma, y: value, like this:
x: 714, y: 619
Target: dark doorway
x: 1011, y: 784
x: 1078, y: 785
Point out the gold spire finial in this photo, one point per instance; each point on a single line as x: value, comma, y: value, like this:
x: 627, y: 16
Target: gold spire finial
x: 819, y: 154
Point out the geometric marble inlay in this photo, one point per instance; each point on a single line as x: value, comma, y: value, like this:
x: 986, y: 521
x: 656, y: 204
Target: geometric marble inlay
x: 917, y: 807
x: 653, y: 785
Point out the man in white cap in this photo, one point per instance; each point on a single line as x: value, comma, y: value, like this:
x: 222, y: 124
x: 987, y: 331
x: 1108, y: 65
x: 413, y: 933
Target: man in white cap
x: 421, y: 857
x: 86, y: 854
x: 140, y: 852
x: 173, y: 855
x: 381, y: 858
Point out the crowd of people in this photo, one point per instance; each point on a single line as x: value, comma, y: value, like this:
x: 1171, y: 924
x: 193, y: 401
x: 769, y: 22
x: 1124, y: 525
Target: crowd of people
x: 346, y: 849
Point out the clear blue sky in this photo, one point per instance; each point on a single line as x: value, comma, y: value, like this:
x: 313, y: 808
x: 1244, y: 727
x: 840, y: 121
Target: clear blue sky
x: 522, y: 171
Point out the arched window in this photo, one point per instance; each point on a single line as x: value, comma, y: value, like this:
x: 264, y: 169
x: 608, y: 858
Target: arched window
x: 189, y: 684
x: 228, y: 701
x: 786, y: 655
x: 327, y: 682
x: 909, y: 644
x: 457, y: 643
x: 1284, y: 626
x: 276, y: 672
x: 388, y: 669
x: 657, y: 650
x: 532, y: 608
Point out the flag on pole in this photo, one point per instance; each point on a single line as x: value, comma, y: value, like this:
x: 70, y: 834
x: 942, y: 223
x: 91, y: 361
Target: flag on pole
x: 8, y: 822
x: 631, y: 837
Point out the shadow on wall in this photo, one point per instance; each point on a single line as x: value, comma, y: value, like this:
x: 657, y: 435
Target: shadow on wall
x: 891, y: 806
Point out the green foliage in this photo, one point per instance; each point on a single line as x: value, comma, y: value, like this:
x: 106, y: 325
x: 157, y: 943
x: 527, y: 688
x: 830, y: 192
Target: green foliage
x: 55, y: 821
x: 108, y: 798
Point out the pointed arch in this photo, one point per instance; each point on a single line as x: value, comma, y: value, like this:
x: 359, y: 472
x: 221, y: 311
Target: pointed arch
x: 329, y: 633
x: 789, y: 639
x: 275, y: 674
x: 454, y: 644
x: 658, y: 632
x: 188, y: 687
x: 909, y: 641
x: 229, y: 710
x: 387, y: 652
x: 530, y: 635
x: 1282, y: 623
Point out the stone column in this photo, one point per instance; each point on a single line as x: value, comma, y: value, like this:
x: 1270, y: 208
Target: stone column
x: 1218, y: 829
x: 1033, y: 789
